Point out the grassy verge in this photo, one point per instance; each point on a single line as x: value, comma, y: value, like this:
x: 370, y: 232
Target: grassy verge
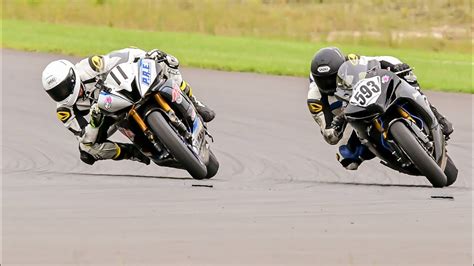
x: 439, y: 25
x: 441, y: 71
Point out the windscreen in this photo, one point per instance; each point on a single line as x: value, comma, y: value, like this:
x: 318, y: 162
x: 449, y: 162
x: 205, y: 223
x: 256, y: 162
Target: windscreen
x: 351, y: 72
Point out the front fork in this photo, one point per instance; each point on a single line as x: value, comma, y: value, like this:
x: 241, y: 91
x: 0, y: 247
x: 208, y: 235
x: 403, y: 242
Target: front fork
x: 419, y: 134
x: 177, y: 123
x: 384, y: 131
x: 389, y: 144
x: 173, y: 119
x: 157, y: 145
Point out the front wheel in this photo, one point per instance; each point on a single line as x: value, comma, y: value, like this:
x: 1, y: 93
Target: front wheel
x: 417, y: 154
x: 180, y: 151
x: 451, y: 172
x: 212, y: 165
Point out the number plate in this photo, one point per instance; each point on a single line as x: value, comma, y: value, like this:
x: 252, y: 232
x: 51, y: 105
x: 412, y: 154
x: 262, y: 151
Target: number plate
x: 366, y: 92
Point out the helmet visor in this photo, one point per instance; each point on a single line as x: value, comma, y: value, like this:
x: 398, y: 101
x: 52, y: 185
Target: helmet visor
x: 61, y: 91
x: 326, y: 84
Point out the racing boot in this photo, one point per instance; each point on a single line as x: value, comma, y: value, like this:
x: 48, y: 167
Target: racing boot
x: 446, y: 125
x: 353, y: 153
x: 351, y: 160
x: 205, y: 112
x: 130, y: 152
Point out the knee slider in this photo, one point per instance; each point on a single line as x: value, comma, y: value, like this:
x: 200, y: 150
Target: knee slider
x: 86, y: 157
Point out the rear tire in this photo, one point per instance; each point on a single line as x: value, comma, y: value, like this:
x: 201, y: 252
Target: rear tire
x: 212, y: 165
x: 451, y: 172
x: 417, y: 154
x: 180, y: 151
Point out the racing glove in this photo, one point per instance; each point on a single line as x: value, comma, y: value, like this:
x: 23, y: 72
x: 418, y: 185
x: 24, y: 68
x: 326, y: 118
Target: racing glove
x: 156, y: 54
x: 405, y: 72
x: 334, y: 133
x: 97, y: 117
x: 339, y: 124
x: 400, y: 67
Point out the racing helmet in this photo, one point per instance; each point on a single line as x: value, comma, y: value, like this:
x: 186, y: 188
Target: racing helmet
x: 324, y: 67
x: 61, y: 82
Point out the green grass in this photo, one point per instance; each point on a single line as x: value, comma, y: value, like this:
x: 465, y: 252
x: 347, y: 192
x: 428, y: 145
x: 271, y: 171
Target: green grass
x: 440, y: 71
x: 387, y: 23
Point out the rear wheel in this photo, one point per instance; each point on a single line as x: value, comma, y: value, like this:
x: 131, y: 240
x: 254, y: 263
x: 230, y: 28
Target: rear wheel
x: 180, y: 151
x: 417, y: 154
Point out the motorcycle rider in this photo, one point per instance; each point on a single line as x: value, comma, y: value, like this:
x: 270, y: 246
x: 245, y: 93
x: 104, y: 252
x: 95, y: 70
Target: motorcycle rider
x: 326, y: 109
x: 73, y: 88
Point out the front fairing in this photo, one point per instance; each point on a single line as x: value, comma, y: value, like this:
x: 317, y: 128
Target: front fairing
x: 388, y: 81
x: 149, y: 73
x: 394, y: 91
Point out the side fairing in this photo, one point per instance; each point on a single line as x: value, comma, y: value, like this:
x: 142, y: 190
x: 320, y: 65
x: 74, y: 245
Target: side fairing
x: 406, y: 93
x: 180, y: 102
x: 111, y: 103
x: 121, y: 77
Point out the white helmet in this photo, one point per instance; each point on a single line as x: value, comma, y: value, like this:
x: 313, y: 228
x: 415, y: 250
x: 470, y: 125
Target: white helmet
x: 61, y: 82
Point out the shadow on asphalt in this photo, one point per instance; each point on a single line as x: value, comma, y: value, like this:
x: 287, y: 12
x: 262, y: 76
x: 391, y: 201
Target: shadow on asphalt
x: 139, y: 176
x: 371, y: 184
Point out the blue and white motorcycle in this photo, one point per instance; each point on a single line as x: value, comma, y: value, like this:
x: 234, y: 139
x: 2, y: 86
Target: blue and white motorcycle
x: 153, y: 112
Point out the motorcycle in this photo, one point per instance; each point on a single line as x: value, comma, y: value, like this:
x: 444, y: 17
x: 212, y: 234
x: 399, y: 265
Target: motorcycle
x: 154, y: 113
x: 394, y: 121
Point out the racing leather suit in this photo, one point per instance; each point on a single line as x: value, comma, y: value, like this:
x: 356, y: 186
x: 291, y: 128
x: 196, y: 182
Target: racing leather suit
x: 326, y: 111
x: 93, y: 143
x: 324, y: 107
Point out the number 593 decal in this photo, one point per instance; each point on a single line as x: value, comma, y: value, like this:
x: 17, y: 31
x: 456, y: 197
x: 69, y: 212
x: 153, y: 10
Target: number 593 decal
x: 366, y: 92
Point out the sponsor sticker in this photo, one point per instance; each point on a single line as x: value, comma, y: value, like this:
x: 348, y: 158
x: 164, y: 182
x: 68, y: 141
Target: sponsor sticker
x: 128, y: 133
x: 353, y: 58
x: 145, y: 73
x: 108, y: 102
x: 51, y: 81
x: 323, y: 69
x: 63, y: 115
x: 385, y: 79
x: 176, y: 94
x: 315, y: 107
x: 96, y: 62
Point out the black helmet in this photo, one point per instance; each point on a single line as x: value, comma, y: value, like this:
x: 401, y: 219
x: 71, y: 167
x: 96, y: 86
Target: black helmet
x: 324, y: 67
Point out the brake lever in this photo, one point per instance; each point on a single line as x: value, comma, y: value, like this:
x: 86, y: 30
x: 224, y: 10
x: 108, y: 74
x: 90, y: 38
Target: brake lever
x: 403, y: 71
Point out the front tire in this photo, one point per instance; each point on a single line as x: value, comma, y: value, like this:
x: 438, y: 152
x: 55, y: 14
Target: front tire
x: 417, y: 154
x: 212, y: 165
x: 180, y: 151
x: 451, y: 172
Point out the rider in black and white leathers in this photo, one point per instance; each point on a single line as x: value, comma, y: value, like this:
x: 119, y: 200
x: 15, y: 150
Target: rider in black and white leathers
x: 72, y: 110
x: 326, y: 109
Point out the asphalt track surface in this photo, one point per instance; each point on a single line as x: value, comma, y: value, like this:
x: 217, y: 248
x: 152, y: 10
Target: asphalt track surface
x: 280, y: 197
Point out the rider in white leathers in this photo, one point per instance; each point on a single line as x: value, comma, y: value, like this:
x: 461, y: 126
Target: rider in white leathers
x: 73, y: 87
